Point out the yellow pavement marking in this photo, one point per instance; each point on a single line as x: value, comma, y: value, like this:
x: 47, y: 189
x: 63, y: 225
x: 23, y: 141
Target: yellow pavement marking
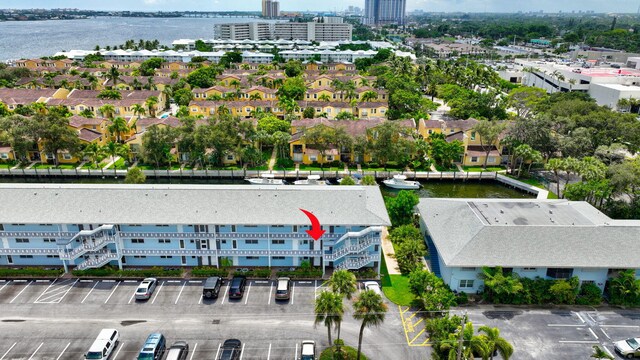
x: 414, y: 339
x: 419, y: 321
x: 412, y: 315
x: 406, y: 334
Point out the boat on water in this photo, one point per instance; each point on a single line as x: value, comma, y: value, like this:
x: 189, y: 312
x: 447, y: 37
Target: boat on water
x: 401, y: 182
x: 266, y: 179
x: 310, y: 180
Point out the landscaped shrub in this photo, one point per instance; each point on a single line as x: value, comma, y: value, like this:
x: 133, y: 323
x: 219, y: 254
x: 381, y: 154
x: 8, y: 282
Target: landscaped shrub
x: 590, y: 294
x: 151, y: 272
x: 31, y: 271
x: 301, y: 273
x: 207, y: 271
x: 254, y: 273
x: 284, y: 163
x: 366, y: 273
x: 101, y: 272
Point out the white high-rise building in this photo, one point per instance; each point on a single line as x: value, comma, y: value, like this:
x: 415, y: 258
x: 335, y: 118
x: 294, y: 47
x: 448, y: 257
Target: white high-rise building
x: 380, y: 12
x: 270, y: 8
x: 310, y: 31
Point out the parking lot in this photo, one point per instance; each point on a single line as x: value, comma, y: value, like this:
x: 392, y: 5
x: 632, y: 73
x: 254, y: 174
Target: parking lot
x: 59, y: 319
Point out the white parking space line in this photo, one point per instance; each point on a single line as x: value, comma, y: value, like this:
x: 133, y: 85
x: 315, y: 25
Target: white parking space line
x: 269, y: 353
x: 225, y: 294
x: 63, y: 350
x: 296, y: 356
x: 293, y: 291
x: 246, y: 297
x: 270, y: 291
x: 34, y: 353
x: 3, y: 286
x: 193, y: 352
x: 45, y: 290
x: 132, y: 295
x: 115, y: 356
x: 217, y: 352
x: 605, y: 334
x: 180, y: 293
x: 580, y: 317
x: 112, y: 291
x: 242, y: 352
x: 608, y: 352
x: 564, y: 325
x: 5, y: 354
x: 620, y: 326
x: 66, y: 292
x: 578, y: 342
x: 592, y: 333
x: 25, y: 288
x: 200, y: 301
x: 89, y: 293
x: 157, y: 292
x: 591, y: 318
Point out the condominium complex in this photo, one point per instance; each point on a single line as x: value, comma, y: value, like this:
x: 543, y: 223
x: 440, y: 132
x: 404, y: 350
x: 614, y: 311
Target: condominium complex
x: 270, y: 8
x: 310, y: 31
x: 189, y: 225
x: 380, y: 12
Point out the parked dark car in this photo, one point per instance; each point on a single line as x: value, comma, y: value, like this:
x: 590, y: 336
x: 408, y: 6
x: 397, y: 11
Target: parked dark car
x: 231, y: 350
x: 211, y: 287
x: 236, y: 288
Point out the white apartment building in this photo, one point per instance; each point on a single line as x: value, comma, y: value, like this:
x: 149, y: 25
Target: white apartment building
x: 309, y: 31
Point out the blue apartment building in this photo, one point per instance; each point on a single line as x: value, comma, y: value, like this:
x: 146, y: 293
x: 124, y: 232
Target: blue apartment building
x: 549, y: 239
x: 90, y: 226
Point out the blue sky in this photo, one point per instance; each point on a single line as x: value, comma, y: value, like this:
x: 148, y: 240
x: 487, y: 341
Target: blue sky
x: 427, y: 5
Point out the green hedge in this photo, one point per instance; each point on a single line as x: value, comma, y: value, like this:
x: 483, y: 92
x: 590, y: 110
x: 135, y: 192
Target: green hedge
x: 101, y: 272
x: 31, y: 271
x: 254, y: 273
x: 301, y: 273
x: 208, y: 271
x: 112, y: 272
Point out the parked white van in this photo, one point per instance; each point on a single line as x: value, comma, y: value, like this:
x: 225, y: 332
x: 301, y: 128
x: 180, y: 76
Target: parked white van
x: 104, y: 345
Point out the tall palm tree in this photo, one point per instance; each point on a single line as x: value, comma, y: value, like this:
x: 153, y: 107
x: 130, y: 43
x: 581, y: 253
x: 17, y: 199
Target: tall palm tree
x: 495, y: 343
x: 255, y: 96
x: 117, y: 127
x: 114, y: 149
x: 471, y: 344
x: 107, y: 110
x: 324, y: 97
x: 370, y: 309
x: 369, y: 96
x: 138, y: 110
x: 343, y: 283
x: 151, y: 85
x: 555, y: 165
x: 328, y: 310
x: 151, y: 103
x: 113, y: 75
x: 93, y: 151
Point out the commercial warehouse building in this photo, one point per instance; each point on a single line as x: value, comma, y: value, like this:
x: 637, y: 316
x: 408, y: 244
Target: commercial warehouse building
x: 89, y: 226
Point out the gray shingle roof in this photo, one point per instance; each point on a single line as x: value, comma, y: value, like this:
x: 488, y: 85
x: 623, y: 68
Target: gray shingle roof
x: 528, y: 233
x: 190, y: 204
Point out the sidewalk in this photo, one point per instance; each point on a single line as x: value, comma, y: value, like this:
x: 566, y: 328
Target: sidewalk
x: 272, y: 160
x: 389, y: 253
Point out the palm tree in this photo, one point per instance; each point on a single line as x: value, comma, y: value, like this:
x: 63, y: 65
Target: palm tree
x: 39, y: 108
x: 555, y: 165
x: 324, y: 97
x: 370, y: 309
x: 343, y: 283
x: 495, y: 343
x: 114, y: 149
x: 151, y: 105
x: 255, y: 96
x: 234, y: 83
x: 113, y: 75
x: 107, y: 110
x: 369, y: 96
x: 328, y: 310
x: 117, y: 127
x: 93, y: 151
x: 466, y: 343
x: 138, y: 110
x: 570, y: 165
x: 150, y: 84
x: 598, y: 353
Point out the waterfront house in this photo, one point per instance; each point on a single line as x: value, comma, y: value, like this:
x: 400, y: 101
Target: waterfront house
x: 550, y: 239
x: 189, y: 225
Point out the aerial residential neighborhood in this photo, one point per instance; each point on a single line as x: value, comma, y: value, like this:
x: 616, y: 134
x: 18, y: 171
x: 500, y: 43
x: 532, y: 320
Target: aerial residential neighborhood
x: 378, y: 179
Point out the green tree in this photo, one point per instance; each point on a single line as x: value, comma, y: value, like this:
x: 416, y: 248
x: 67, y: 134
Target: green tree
x: 138, y: 110
x: 369, y: 180
x: 328, y: 310
x: 151, y: 103
x: 343, y: 283
x: 157, y: 143
x: 409, y: 254
x: 110, y: 94
x: 113, y: 75
x: 347, y: 181
x: 345, y: 115
x: 491, y: 337
x: 555, y: 165
x: 431, y: 291
x: 231, y: 57
x: 56, y: 135
x: 148, y: 67
x: 625, y: 289
x: 114, y: 149
x: 107, y: 110
x: 271, y: 124
x: 401, y: 207
x: 525, y: 100
x: 94, y: 152
x: 117, y: 127
x: 203, y: 77
x: 403, y: 233
x: 370, y: 309
x: 135, y: 176
x: 309, y: 113
x: 293, y: 68
x: 500, y: 288
x: 464, y: 344
x: 292, y: 88
x: 565, y: 292
x: 183, y: 97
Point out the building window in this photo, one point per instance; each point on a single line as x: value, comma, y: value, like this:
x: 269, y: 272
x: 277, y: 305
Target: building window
x: 252, y: 257
x: 26, y: 256
x: 473, y: 135
x: 251, y: 241
x: 164, y: 241
x: 277, y: 242
x: 19, y: 240
x: 139, y: 257
x: 474, y: 159
x: 137, y: 241
x: 230, y: 157
x: 304, y: 242
x: 49, y: 240
x: 66, y: 156
x: 295, y: 228
x: 277, y: 258
x: 53, y: 256
x: 466, y: 284
x: 166, y: 257
x: 559, y: 273
x: 468, y: 269
x: 529, y: 269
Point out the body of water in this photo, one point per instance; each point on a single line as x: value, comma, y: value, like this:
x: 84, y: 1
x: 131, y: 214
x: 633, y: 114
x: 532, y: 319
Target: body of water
x: 437, y: 189
x: 34, y: 39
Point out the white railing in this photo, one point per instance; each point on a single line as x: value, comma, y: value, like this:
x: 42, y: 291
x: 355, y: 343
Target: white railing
x: 353, y: 264
x: 97, y: 261
x: 351, y: 249
x: 359, y: 234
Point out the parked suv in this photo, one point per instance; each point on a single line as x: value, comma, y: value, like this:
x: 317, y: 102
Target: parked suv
x: 283, y: 288
x: 231, y: 350
x: 178, y: 351
x: 211, y: 287
x: 146, y: 288
x: 308, y: 351
x: 236, y: 288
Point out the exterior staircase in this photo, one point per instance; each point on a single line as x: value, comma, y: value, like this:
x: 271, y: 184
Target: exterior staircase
x: 98, y: 261
x: 92, y: 240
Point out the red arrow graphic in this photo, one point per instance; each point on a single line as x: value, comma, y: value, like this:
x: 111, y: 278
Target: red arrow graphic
x: 316, y: 231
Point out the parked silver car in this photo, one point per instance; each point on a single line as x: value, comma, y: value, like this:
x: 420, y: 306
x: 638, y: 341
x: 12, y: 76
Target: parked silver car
x: 146, y: 288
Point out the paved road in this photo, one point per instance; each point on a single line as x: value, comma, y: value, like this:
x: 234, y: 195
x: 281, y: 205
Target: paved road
x: 45, y: 320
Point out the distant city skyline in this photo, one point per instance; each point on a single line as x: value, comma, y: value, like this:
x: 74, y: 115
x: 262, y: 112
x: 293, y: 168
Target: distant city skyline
x: 619, y: 6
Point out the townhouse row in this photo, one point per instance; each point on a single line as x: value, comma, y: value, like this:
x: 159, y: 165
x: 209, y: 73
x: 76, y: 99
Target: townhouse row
x: 83, y: 227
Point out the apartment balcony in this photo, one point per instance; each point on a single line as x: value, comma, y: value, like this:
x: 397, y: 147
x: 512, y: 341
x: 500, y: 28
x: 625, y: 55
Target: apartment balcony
x: 351, y: 249
x: 216, y: 252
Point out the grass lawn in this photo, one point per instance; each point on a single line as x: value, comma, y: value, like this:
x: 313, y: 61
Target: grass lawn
x: 6, y: 166
x: 119, y: 165
x: 536, y: 183
x: 350, y: 353
x: 61, y: 166
x: 396, y: 287
x: 480, y: 169
x: 304, y: 167
x: 443, y: 169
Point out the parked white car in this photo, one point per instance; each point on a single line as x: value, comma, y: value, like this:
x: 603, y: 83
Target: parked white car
x: 372, y: 285
x: 629, y: 348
